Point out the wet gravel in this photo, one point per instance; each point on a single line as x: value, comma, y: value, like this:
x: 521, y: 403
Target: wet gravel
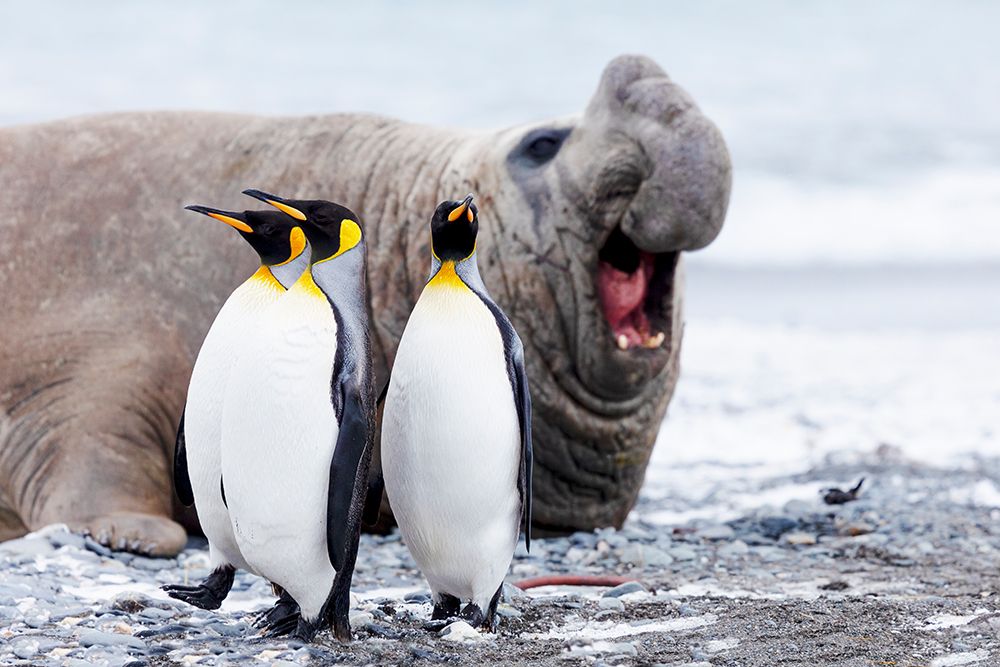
x: 908, y: 574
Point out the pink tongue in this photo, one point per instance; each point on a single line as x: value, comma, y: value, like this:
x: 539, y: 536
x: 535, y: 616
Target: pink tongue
x: 622, y: 295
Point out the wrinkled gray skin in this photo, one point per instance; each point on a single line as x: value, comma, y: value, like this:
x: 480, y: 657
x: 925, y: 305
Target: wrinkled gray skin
x: 110, y: 287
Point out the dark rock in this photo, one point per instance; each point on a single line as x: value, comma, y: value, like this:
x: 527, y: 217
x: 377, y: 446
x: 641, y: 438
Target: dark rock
x: 417, y: 597
x: 776, y: 526
x: 382, y: 631
x: 171, y: 629
x: 835, y: 586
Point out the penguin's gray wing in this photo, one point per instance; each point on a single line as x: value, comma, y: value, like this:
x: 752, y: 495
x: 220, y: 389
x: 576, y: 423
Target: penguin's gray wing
x: 522, y: 399
x: 342, y: 515
x: 514, y: 351
x: 182, y: 481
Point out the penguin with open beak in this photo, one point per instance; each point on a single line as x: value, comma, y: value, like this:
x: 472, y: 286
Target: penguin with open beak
x: 284, y: 253
x: 298, y: 424
x: 456, y: 430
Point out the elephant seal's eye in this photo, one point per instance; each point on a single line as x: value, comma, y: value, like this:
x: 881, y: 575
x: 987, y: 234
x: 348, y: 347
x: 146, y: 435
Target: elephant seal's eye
x: 540, y: 146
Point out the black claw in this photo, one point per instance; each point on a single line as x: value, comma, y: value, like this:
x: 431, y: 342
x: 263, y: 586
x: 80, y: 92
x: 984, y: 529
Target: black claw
x: 492, y: 621
x: 209, y: 594
x: 304, y: 630
x: 279, y: 620
x: 473, y: 615
x: 446, y: 607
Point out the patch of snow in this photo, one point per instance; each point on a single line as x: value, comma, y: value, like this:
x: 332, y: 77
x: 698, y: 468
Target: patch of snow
x: 941, y: 621
x: 784, y: 398
x: 965, y: 658
x: 720, y: 645
x: 579, y: 629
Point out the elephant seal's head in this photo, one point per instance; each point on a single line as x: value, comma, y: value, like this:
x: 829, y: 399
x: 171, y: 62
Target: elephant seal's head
x: 584, y: 223
x: 616, y: 194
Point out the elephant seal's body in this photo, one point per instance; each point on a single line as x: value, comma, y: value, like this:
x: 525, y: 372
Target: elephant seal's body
x: 106, y: 301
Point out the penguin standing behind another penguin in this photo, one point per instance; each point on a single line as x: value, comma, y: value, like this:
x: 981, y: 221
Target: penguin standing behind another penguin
x: 284, y: 253
x: 298, y: 424
x: 456, y: 429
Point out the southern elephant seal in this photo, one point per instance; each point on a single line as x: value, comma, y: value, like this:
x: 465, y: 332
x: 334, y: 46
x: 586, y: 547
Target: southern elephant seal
x: 106, y: 301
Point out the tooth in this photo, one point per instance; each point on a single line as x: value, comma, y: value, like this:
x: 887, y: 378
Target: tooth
x: 656, y: 341
x: 622, y: 342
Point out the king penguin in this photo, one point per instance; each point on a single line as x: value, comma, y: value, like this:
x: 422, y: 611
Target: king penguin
x: 456, y: 429
x: 298, y: 424
x: 284, y: 254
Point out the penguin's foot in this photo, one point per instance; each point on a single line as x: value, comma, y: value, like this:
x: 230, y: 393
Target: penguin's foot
x: 446, y: 606
x: 210, y: 593
x: 473, y: 615
x: 279, y: 620
x: 305, y: 630
x: 341, y: 627
x: 492, y: 621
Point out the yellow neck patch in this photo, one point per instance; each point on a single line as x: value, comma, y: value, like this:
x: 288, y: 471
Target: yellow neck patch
x: 265, y: 278
x: 308, y: 285
x: 296, y: 243
x: 447, y: 277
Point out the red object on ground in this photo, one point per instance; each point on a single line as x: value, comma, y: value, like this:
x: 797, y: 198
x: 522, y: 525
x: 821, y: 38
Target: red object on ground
x: 572, y: 580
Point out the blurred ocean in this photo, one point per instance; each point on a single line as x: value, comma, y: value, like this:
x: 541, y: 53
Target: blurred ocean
x: 853, y: 298
x: 860, y: 132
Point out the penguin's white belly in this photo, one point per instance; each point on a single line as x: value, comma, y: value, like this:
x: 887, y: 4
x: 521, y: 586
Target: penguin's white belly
x: 203, y: 411
x: 279, y: 434
x: 451, y: 445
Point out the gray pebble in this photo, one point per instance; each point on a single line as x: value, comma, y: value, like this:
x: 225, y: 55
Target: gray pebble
x: 623, y: 648
x: 624, y: 589
x: 512, y: 593
x: 637, y: 533
x: 417, y: 596
x: 657, y: 557
x: 683, y: 553
x: 66, y: 539
x: 611, y: 603
x: 717, y: 532
x: 506, y: 611
x: 97, y: 638
x: 687, y: 610
x: 734, y: 549
x: 776, y: 526
x: 26, y: 546
x: 228, y: 630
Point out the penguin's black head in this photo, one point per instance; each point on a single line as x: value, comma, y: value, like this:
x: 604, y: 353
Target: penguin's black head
x: 275, y: 237
x: 454, y: 227
x: 332, y: 229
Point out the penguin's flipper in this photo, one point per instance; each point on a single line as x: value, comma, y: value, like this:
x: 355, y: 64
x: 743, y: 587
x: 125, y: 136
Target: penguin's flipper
x: 182, y: 482
x: 522, y: 400
x: 342, y: 525
x: 514, y: 351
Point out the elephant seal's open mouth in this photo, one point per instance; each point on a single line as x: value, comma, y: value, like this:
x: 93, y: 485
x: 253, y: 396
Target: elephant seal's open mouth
x: 635, y: 289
